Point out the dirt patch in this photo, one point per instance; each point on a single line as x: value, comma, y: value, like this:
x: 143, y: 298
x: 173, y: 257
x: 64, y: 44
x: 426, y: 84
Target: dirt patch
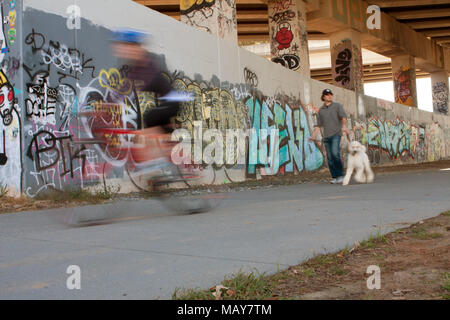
x: 414, y: 263
x: 58, y: 199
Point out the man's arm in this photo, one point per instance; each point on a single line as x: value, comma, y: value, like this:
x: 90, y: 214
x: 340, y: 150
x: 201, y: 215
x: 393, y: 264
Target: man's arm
x: 343, y: 117
x: 316, y: 128
x: 314, y: 134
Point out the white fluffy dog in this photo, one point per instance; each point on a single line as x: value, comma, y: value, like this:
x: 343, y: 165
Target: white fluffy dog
x: 359, y: 161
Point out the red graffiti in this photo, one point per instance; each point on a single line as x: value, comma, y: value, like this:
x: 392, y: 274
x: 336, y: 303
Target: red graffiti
x: 280, y: 5
x: 284, y: 36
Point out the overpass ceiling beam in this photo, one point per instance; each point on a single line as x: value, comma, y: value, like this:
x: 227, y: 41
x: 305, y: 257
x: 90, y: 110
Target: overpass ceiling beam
x: 405, y: 3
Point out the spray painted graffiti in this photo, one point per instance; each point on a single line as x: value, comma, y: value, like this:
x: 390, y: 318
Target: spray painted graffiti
x: 294, y: 151
x: 217, y: 17
x: 279, y: 5
x: 284, y: 31
x: 250, y: 77
x: 63, y: 82
x: 69, y: 62
x: 11, y: 19
x: 403, y: 87
x: 440, y: 97
x: 187, y: 6
x: 3, y: 43
x: 10, y: 137
x: 397, y: 138
x: 435, y: 142
x: 215, y: 108
x: 47, y: 149
x: 342, y: 64
x: 10, y: 65
x: 41, y: 102
x: 54, y: 97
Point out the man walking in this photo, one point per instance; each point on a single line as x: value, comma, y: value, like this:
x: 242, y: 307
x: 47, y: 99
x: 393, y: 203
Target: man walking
x: 332, y: 118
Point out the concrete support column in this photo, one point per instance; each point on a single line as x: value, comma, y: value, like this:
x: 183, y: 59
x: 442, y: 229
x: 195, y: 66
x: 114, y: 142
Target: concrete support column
x: 346, y: 60
x: 440, y: 92
x: 217, y: 17
x: 288, y: 35
x: 404, y: 78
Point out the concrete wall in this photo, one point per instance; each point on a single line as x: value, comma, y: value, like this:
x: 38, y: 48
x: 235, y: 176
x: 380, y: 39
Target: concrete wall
x: 63, y: 70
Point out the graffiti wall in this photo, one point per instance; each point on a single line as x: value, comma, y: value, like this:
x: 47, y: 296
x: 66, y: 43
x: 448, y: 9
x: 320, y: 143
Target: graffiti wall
x: 217, y: 17
x: 440, y: 97
x: 11, y: 166
x: 49, y: 90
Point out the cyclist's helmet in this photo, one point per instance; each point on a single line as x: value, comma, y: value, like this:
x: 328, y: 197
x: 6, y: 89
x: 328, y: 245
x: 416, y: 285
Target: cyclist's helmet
x: 130, y: 36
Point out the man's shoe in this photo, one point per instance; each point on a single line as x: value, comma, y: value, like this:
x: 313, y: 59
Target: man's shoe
x: 340, y: 180
x: 333, y: 181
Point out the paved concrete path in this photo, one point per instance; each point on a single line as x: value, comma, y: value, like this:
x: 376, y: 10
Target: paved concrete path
x: 151, y: 252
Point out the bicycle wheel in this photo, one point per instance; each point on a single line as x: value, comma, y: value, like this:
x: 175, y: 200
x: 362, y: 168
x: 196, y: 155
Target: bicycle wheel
x: 87, y: 216
x: 173, y: 187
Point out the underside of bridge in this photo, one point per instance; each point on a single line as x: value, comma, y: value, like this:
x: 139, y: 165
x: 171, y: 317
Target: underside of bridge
x: 430, y: 18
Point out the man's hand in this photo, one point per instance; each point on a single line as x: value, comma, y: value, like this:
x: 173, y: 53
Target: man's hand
x: 314, y: 134
x: 344, y: 127
x: 345, y: 131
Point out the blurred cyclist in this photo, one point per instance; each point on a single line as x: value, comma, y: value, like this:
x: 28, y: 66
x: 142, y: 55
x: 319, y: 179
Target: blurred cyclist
x: 146, y: 71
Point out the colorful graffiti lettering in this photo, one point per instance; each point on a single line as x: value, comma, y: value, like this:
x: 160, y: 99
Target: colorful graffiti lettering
x: 397, y: 137
x: 293, y: 149
x: 403, y: 87
x: 12, y: 22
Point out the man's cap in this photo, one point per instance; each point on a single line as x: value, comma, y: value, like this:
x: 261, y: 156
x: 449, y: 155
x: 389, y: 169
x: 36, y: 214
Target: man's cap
x: 326, y: 91
x: 130, y: 36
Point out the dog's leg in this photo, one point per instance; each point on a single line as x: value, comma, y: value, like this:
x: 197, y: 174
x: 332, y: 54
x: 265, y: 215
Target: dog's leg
x: 369, y: 172
x: 348, y: 175
x: 360, y: 176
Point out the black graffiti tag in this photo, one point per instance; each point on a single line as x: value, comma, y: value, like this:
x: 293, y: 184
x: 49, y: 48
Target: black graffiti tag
x: 290, y: 61
x: 250, y: 77
x: 57, y: 149
x: 278, y: 17
x: 35, y: 40
x: 342, y: 68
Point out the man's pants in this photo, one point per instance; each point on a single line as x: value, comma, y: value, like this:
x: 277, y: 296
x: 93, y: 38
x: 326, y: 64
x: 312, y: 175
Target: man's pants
x: 332, y: 145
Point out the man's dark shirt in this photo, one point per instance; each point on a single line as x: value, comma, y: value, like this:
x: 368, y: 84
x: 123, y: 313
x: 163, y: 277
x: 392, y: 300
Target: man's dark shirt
x: 330, y: 118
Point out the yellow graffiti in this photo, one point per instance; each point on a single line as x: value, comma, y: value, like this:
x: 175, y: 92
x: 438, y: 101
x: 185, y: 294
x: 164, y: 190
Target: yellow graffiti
x: 187, y: 6
x: 215, y: 107
x: 12, y: 19
x: 112, y: 79
x: 113, y: 110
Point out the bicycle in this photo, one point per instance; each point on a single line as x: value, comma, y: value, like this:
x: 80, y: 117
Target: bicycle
x: 145, y: 155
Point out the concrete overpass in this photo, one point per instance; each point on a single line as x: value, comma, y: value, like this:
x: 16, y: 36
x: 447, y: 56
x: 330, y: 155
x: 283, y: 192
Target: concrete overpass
x: 414, y: 36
